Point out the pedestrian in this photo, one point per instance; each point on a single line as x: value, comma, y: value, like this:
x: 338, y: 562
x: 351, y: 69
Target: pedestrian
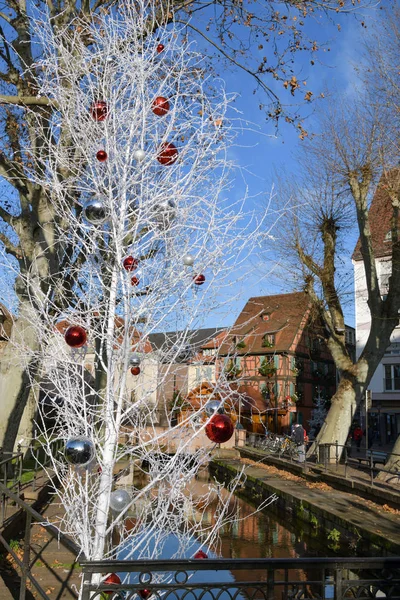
x: 298, y: 436
x: 358, y: 436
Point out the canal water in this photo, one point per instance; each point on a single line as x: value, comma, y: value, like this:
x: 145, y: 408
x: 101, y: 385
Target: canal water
x: 270, y: 534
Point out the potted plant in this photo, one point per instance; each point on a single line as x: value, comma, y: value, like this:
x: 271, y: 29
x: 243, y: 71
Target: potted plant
x: 267, y: 369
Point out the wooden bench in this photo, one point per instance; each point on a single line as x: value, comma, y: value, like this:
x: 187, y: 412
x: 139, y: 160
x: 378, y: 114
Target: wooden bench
x: 378, y: 457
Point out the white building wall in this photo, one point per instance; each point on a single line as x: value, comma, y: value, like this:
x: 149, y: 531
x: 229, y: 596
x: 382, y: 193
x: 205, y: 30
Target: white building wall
x: 363, y: 325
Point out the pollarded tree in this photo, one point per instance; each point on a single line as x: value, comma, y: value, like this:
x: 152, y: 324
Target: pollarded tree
x: 340, y: 172
x: 133, y: 165
x: 40, y: 265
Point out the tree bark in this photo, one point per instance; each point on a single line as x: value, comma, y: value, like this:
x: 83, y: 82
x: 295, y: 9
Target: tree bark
x: 18, y: 404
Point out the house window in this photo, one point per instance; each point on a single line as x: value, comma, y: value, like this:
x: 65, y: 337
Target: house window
x: 392, y: 377
x: 268, y: 340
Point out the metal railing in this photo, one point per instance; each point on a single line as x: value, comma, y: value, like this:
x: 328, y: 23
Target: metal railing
x: 26, y: 563
x: 11, y: 468
x: 337, y: 457
x: 250, y: 579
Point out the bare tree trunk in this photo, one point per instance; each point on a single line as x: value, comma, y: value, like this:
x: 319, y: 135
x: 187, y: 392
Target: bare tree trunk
x: 18, y: 404
x: 393, y: 465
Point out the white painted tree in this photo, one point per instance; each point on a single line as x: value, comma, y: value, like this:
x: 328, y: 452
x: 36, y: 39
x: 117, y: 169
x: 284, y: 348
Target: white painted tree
x: 135, y: 169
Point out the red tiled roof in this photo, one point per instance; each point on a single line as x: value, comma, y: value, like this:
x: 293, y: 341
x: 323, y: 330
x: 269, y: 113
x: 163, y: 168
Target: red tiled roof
x: 280, y: 314
x: 380, y: 215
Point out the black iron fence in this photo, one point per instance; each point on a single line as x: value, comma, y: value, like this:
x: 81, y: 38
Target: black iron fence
x: 30, y: 515
x: 251, y: 579
x: 342, y: 459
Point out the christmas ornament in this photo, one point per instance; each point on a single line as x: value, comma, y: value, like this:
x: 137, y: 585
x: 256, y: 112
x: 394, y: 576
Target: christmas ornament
x: 165, y: 211
x: 160, y: 48
x: 101, y: 155
x: 160, y: 106
x: 168, y: 153
x: 213, y: 406
x: 199, y: 279
x: 188, y: 260
x: 184, y: 354
x: 135, y: 281
x: 79, y: 451
x: 219, y: 429
x: 119, y: 500
x: 111, y: 579
x: 200, y: 554
x: 75, y: 336
x: 130, y: 263
x: 146, y: 593
x: 94, y: 211
x: 99, y: 110
x: 139, y: 154
x: 135, y: 360
x: 135, y: 370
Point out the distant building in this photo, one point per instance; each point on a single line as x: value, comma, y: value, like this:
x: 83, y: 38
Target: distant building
x: 276, y: 351
x: 384, y: 415
x: 180, y: 366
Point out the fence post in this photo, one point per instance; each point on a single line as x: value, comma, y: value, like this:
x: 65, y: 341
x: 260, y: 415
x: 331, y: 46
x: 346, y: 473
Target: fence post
x: 26, y: 558
x: 337, y: 454
x: 372, y: 467
x: 338, y: 583
x: 345, y: 460
x: 270, y: 584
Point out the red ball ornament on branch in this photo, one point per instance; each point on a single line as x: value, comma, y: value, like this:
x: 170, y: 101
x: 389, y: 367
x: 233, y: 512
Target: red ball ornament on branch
x: 160, y: 48
x: 219, y: 429
x: 75, y: 336
x: 99, y: 110
x: 168, y: 154
x: 160, y: 106
x: 135, y: 370
x: 200, y: 555
x: 111, y: 579
x: 101, y: 155
x: 130, y: 263
x: 135, y: 280
x: 145, y: 593
x: 199, y: 279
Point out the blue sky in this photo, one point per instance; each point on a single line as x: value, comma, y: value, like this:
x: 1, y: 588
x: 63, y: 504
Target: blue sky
x: 261, y: 154
x: 258, y: 152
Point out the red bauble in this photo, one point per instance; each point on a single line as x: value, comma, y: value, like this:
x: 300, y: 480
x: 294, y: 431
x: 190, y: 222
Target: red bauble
x: 101, y: 155
x: 160, y: 48
x: 135, y: 370
x: 130, y: 263
x: 145, y: 593
x: 219, y: 429
x: 112, y: 579
x: 168, y: 154
x: 200, y: 554
x: 160, y: 106
x: 75, y: 336
x: 135, y: 280
x: 99, y: 110
x: 199, y: 279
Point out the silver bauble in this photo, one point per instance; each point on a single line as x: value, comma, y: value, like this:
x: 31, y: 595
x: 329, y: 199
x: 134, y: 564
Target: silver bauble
x: 139, y: 154
x: 214, y: 406
x: 184, y: 354
x: 165, y: 211
x: 135, y: 360
x: 119, y: 500
x: 188, y: 260
x: 94, y: 211
x: 79, y: 451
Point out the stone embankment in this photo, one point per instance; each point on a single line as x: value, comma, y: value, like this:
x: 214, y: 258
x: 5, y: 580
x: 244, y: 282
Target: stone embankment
x: 304, y: 497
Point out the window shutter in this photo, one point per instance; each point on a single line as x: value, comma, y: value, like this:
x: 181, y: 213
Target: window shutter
x: 276, y: 361
x: 291, y: 389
